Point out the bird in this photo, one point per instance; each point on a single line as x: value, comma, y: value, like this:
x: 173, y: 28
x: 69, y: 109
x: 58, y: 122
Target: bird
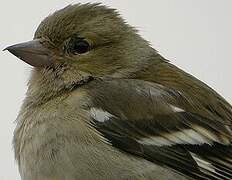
x: 103, y: 104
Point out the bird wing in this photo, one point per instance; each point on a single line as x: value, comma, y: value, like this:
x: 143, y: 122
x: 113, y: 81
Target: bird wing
x: 161, y: 125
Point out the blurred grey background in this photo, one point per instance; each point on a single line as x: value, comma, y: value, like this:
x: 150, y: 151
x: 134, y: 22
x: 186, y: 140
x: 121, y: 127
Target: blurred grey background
x: 194, y: 34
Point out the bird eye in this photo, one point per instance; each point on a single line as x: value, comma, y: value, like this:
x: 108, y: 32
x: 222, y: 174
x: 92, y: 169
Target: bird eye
x: 78, y: 46
x: 81, y: 46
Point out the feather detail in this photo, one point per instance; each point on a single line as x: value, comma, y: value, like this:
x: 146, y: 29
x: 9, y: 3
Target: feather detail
x: 159, y: 124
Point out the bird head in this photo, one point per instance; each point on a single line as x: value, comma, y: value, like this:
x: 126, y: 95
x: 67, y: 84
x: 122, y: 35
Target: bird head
x: 82, y: 41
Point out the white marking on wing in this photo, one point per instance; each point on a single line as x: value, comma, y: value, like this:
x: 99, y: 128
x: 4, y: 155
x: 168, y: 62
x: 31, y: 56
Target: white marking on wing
x: 100, y: 115
x: 186, y: 136
x: 202, y: 163
x: 176, y: 109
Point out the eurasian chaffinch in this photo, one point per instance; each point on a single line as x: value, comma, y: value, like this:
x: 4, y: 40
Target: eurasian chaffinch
x: 102, y: 104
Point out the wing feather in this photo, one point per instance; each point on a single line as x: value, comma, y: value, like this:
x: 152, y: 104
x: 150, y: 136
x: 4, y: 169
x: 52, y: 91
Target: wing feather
x: 159, y: 124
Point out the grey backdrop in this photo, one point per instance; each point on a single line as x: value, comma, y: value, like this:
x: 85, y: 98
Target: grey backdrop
x: 193, y: 34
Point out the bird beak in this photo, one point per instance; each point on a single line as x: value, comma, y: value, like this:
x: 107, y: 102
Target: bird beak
x: 33, y: 53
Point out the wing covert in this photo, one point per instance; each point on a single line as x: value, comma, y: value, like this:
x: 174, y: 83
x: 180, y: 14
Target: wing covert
x: 162, y: 126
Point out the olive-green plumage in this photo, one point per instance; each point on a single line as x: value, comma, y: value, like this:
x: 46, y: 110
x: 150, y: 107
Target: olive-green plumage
x: 102, y: 104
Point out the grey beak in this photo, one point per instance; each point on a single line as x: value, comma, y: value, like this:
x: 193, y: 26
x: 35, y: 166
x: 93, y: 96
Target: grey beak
x: 33, y: 53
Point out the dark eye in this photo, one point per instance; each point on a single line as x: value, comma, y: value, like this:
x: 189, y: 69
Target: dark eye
x: 81, y: 46
x: 78, y: 46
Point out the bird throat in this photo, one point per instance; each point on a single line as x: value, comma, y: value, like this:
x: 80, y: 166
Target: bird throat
x: 45, y: 85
